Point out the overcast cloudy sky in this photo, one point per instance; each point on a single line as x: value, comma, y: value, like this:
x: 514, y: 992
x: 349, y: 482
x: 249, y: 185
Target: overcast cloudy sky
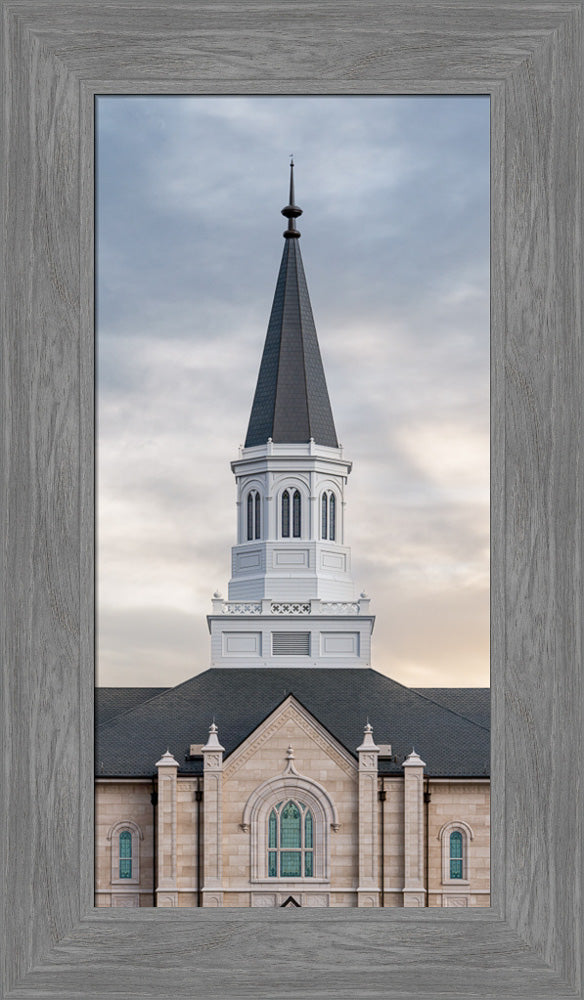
x: 395, y: 242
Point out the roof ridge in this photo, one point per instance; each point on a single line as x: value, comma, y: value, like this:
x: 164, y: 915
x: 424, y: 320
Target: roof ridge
x: 452, y: 711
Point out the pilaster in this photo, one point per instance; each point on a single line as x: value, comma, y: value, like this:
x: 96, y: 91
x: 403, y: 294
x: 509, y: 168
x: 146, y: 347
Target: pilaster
x: 368, y: 889
x: 414, y: 889
x: 212, y: 809
x: 166, y: 887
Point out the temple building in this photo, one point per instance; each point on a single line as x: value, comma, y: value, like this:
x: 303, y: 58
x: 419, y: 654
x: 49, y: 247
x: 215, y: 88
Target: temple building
x: 291, y: 773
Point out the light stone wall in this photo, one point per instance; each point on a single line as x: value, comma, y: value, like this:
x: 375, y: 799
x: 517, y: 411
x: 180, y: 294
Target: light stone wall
x: 186, y: 837
x: 116, y: 802
x: 265, y: 758
x: 262, y: 758
x: 453, y: 802
x: 394, y: 840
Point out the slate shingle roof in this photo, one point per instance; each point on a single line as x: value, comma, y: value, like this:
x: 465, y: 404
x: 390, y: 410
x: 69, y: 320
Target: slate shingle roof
x: 291, y: 402
x: 473, y: 703
x: 110, y: 702
x: 341, y: 700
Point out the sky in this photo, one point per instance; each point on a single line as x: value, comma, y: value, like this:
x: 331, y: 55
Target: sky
x: 395, y: 244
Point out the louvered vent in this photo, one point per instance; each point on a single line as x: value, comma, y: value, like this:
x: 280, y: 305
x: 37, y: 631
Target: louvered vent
x: 291, y: 643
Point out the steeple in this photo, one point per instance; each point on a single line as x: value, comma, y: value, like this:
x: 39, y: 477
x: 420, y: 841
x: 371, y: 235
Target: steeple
x: 291, y: 402
x: 291, y: 597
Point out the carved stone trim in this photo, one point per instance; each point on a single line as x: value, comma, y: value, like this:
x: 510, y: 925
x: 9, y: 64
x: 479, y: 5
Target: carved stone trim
x: 290, y: 710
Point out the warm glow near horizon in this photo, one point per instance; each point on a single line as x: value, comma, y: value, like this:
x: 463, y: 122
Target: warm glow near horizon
x: 395, y: 243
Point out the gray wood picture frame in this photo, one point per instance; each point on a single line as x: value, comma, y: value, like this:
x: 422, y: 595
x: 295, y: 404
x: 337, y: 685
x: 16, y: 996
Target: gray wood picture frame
x: 57, y: 56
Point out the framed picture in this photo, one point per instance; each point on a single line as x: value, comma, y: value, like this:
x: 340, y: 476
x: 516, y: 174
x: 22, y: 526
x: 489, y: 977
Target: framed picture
x: 528, y: 59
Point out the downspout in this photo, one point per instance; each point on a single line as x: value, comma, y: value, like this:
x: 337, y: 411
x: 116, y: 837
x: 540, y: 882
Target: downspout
x: 154, y: 801
x: 427, y: 800
x: 382, y: 797
x: 199, y: 799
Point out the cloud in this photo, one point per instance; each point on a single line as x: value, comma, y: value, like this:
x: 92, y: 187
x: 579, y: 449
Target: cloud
x: 395, y: 234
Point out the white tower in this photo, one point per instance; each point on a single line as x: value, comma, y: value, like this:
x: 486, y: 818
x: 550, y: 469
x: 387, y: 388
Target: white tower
x: 291, y: 600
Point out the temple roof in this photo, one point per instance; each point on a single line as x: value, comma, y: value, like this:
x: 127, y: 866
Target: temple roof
x: 451, y: 743
x: 291, y: 402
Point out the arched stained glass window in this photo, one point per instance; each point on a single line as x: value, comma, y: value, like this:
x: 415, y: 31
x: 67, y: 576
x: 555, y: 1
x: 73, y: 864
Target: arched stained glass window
x: 456, y: 858
x: 249, y: 516
x: 324, y: 516
x: 290, y: 841
x: 286, y: 514
x: 290, y: 837
x: 296, y: 521
x: 308, y: 870
x: 272, y: 845
x: 332, y: 516
x: 125, y: 854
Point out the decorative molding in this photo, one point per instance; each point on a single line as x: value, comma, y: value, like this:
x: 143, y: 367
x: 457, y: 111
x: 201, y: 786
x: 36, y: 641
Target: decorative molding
x: 241, y: 608
x: 287, y: 608
x: 290, y: 710
x: 113, y: 835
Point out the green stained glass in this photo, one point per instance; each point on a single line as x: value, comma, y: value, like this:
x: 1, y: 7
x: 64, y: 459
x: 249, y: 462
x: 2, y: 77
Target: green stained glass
x: 272, y: 864
x: 125, y: 854
x: 456, y: 854
x: 290, y: 826
x: 273, y: 830
x: 290, y: 864
x: 308, y: 829
x: 308, y: 864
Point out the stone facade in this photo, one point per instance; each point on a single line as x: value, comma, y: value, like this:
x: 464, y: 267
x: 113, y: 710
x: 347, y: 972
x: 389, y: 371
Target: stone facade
x: 356, y: 859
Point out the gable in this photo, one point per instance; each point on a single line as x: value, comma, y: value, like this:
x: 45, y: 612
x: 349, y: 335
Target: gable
x: 289, y: 724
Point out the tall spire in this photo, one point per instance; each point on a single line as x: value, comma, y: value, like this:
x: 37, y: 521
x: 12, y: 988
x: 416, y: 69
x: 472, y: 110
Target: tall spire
x: 291, y: 402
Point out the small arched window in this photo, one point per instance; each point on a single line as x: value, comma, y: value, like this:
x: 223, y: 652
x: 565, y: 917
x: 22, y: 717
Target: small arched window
x: 125, y: 854
x: 286, y: 514
x: 296, y: 519
x: 253, y: 515
x: 125, y: 838
x: 456, y: 838
x: 290, y: 841
x: 456, y: 855
x: 328, y: 516
x: 332, y: 517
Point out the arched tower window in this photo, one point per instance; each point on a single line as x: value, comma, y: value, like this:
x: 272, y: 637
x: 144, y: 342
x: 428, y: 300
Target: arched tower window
x: 290, y: 841
x: 286, y: 514
x: 253, y: 515
x: 328, y: 516
x: 125, y: 854
x: 296, y: 519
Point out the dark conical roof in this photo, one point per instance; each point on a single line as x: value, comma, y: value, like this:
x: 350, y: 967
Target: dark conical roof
x: 291, y: 402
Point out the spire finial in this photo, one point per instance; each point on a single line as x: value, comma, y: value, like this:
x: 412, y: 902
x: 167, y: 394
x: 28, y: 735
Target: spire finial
x: 291, y: 211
